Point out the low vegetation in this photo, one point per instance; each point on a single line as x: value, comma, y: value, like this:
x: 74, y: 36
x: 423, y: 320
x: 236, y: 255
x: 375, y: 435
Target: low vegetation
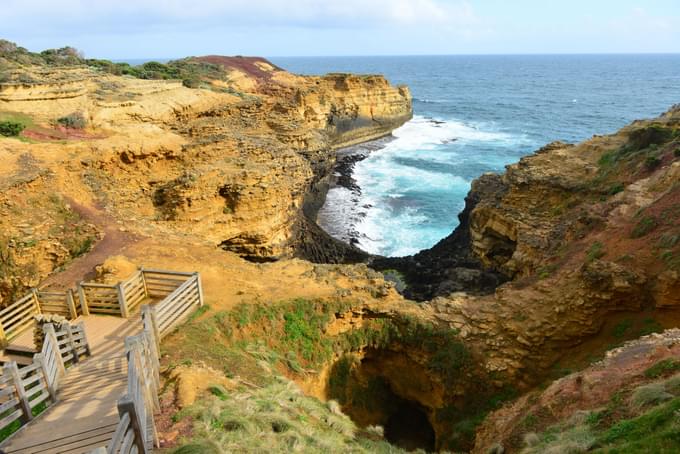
x: 11, y: 128
x: 192, y: 72
x: 75, y: 120
x: 275, y: 418
x: 646, y: 422
x: 595, y: 251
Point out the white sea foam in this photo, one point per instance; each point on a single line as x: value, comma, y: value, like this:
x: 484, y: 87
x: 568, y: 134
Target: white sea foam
x: 390, y: 215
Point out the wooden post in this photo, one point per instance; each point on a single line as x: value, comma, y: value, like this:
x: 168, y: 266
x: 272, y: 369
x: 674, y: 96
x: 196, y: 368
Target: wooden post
x: 149, y: 319
x: 200, y: 288
x: 3, y: 337
x: 71, y: 304
x: 121, y: 301
x: 85, y: 341
x: 51, y: 336
x: 11, y: 370
x: 83, y: 300
x: 72, y: 343
x: 126, y: 405
x: 146, y: 289
x: 36, y: 301
x: 39, y: 359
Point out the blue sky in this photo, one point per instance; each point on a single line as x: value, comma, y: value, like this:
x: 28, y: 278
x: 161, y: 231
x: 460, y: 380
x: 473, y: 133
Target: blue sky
x: 122, y: 29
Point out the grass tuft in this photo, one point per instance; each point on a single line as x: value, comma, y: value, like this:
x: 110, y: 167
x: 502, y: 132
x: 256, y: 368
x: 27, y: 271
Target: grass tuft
x: 651, y: 394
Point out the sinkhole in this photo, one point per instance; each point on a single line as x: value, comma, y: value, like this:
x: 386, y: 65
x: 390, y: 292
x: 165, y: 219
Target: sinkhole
x: 386, y: 389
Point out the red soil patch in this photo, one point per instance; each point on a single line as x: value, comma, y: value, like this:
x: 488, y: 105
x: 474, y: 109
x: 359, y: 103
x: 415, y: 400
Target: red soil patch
x: 114, y: 242
x: 58, y: 134
x: 246, y: 65
x: 172, y: 432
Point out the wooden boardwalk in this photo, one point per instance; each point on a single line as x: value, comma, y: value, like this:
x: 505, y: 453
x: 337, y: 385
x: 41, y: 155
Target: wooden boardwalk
x: 85, y: 415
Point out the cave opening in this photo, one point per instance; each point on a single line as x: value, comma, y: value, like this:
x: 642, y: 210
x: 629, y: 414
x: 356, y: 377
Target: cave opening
x: 373, y: 391
x: 408, y: 428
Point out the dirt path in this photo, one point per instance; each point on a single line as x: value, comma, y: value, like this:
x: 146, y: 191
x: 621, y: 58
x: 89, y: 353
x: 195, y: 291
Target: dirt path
x: 115, y: 240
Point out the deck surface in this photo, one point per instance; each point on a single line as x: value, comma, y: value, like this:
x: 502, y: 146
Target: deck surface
x: 85, y: 415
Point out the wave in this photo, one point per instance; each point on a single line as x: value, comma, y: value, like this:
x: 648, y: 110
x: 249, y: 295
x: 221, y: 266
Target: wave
x: 412, y: 187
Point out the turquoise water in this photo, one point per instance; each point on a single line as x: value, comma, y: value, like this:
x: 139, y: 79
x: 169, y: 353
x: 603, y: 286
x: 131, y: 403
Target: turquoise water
x: 476, y: 114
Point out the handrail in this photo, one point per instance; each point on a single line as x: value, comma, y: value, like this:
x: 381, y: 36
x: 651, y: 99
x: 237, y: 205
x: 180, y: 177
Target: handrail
x: 37, y: 383
x: 18, y: 316
x: 137, y: 406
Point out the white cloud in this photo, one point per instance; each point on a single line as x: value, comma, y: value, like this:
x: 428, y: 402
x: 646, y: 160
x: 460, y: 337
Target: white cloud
x: 341, y: 13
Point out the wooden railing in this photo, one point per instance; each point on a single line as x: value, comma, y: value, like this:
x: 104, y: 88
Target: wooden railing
x: 18, y: 317
x: 23, y: 389
x: 121, y: 299
x: 60, y: 303
x: 99, y: 298
x: 178, y: 305
x: 136, y: 430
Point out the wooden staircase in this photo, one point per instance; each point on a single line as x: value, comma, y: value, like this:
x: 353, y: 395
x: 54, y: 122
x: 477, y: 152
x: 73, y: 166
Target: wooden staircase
x: 85, y: 415
x: 104, y: 403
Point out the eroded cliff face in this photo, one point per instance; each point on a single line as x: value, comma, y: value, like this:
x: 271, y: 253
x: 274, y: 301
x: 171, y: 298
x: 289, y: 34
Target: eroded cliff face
x: 237, y: 165
x: 246, y: 168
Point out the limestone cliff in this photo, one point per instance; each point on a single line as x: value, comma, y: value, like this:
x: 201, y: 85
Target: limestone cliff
x: 239, y: 163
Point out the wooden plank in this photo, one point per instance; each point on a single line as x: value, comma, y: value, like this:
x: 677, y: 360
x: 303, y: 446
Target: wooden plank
x: 18, y: 330
x: 164, y: 282
x: 6, y: 391
x: 101, y: 293
x: 9, y: 404
x: 32, y: 379
x: 9, y: 419
x: 12, y: 370
x: 24, y: 300
x: 170, y: 299
x: 166, y: 272
x: 23, y: 371
x: 38, y: 400
x: 88, y: 285
x: 127, y: 441
x: 106, y: 299
x: 105, y: 311
x: 119, y: 434
x: 17, y: 310
x: 171, y: 319
x: 185, y: 299
x: 27, y: 312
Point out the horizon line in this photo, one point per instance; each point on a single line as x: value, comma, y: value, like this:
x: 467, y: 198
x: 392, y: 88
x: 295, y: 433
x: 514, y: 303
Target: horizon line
x: 528, y: 54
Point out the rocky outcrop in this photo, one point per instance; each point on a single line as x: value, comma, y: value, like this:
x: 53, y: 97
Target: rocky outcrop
x: 582, y: 232
x: 601, y: 393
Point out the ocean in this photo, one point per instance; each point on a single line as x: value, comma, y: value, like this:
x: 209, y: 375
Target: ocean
x: 476, y: 114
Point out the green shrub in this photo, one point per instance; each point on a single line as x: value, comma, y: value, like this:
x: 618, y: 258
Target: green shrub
x: 672, y: 385
x: 649, y: 135
x: 676, y: 152
x: 644, y: 226
x: 651, y: 394
x: 654, y: 431
x: 652, y: 162
x: 662, y: 367
x: 622, y: 328
x: 596, y: 251
x: 75, y: 120
x: 192, y: 82
x: 616, y: 188
x: 11, y: 128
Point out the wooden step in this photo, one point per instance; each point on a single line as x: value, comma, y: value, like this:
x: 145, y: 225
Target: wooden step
x: 73, y: 443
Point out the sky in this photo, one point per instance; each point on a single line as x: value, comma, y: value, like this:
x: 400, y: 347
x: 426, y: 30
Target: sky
x: 128, y: 29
